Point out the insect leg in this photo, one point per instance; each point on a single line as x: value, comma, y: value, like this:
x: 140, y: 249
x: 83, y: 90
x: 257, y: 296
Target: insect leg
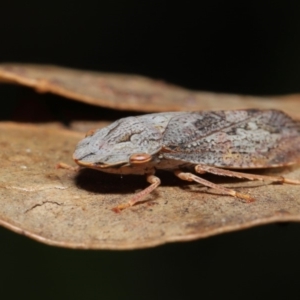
x: 221, y: 189
x: 155, y: 182
x: 65, y: 166
x: 222, y: 172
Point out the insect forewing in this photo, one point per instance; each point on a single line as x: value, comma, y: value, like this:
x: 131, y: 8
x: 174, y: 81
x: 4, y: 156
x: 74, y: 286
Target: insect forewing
x: 233, y: 139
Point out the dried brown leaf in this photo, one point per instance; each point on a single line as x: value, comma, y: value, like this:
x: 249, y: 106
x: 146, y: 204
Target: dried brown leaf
x: 130, y: 92
x: 63, y: 208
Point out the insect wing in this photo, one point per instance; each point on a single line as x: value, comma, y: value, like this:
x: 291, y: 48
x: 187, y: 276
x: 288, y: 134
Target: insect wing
x: 233, y: 139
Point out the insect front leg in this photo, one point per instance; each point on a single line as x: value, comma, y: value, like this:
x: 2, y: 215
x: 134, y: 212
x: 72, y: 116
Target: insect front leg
x: 222, y: 172
x: 221, y: 189
x: 153, y: 180
x: 65, y: 166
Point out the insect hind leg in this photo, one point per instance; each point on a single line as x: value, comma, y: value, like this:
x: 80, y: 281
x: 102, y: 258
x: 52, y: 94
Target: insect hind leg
x: 223, y: 172
x: 223, y: 190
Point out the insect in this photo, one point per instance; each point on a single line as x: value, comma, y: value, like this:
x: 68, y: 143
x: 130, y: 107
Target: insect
x: 208, y: 141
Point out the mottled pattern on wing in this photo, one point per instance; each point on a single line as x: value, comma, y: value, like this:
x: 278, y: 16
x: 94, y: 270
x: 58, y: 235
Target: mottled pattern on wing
x: 233, y: 139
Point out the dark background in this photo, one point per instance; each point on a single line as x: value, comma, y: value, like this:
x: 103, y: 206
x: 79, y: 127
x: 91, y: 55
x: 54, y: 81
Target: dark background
x: 247, y: 47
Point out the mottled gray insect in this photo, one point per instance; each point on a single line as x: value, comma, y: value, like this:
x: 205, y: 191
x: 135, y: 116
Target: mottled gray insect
x: 209, y: 141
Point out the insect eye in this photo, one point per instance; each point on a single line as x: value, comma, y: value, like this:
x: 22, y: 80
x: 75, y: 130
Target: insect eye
x: 90, y: 132
x: 140, y: 158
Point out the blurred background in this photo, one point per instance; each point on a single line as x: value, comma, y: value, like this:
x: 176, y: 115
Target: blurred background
x: 246, y: 47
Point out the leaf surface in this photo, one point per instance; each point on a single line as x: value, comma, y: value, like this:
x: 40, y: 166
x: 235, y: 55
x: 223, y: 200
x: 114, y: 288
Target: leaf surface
x: 132, y: 92
x: 69, y: 209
